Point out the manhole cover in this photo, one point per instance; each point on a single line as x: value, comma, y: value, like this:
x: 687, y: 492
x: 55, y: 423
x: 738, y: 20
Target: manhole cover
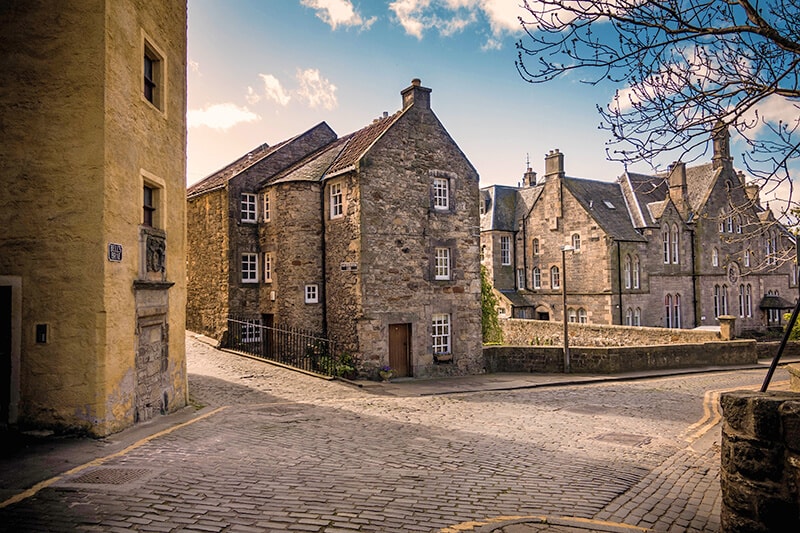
x: 628, y: 439
x: 110, y: 476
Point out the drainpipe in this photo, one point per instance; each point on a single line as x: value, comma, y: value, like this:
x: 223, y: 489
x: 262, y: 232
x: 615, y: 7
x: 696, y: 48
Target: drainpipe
x: 619, y: 281
x: 323, y: 281
x: 694, y: 281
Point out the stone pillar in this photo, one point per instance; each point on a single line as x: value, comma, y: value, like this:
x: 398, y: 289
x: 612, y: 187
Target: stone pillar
x: 760, y: 462
x: 727, y: 323
x: 794, y: 377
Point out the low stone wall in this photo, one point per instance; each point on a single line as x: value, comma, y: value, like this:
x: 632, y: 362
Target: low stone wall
x: 522, y: 332
x: 760, y: 462
x: 609, y: 360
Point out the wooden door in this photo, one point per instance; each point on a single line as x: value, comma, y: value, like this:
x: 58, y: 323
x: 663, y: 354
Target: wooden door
x: 5, y: 353
x: 400, y: 349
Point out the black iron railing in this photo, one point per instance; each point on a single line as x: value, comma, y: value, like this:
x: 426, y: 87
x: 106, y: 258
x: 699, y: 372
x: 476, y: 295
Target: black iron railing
x: 295, y: 347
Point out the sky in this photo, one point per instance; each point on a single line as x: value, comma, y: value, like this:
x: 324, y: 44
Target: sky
x: 263, y: 71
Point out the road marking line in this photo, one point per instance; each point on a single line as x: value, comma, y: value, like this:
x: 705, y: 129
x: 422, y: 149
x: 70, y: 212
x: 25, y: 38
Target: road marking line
x: 96, y: 462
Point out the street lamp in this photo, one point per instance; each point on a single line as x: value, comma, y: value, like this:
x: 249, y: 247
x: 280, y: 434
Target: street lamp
x: 564, y: 250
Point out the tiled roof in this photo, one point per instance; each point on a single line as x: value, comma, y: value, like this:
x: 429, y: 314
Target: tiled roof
x: 220, y: 178
x: 605, y: 203
x: 359, y: 143
x: 313, y: 167
x: 699, y: 180
x: 774, y: 302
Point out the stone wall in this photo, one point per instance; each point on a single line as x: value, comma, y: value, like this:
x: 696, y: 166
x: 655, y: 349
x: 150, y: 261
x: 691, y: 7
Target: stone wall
x: 760, y: 462
x: 550, y: 333
x: 610, y: 360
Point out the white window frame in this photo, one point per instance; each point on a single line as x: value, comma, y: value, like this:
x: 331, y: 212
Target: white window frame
x: 572, y: 315
x: 336, y: 195
x: 535, y: 246
x: 440, y: 333
x: 441, y: 194
x: 676, y: 311
x: 747, y: 258
x: 627, y: 272
x: 537, y: 278
x: 668, y: 311
x: 637, y: 316
x: 749, y: 300
x: 251, y: 330
x: 267, y: 267
x: 675, y: 244
x: 248, y: 203
x: 724, y: 300
x: 311, y: 293
x: 583, y: 317
x: 637, y: 271
x: 520, y: 278
x: 555, y: 277
x: 505, y: 250
x: 576, y: 242
x: 249, y: 267
x: 717, y: 298
x: 266, y: 207
x: 629, y: 317
x: 715, y: 257
x: 441, y: 263
x: 665, y: 237
x: 741, y: 300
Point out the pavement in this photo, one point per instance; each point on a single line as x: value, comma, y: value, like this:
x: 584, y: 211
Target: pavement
x: 33, y: 461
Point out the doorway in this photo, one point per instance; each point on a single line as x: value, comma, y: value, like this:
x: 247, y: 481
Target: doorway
x: 400, y: 349
x: 10, y: 345
x: 5, y: 354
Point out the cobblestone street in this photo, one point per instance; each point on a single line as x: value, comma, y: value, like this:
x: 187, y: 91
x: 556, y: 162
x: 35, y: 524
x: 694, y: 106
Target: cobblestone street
x: 272, y: 450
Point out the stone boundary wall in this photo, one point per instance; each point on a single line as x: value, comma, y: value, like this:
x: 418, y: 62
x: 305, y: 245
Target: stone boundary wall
x: 610, y: 360
x: 521, y: 332
x: 760, y: 462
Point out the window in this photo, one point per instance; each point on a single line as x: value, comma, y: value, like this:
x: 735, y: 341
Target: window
x: 555, y: 278
x: 722, y: 221
x: 729, y: 223
x: 747, y: 258
x: 267, y: 267
x: 266, y: 206
x: 637, y: 269
x: 149, y: 206
x: 576, y: 242
x: 249, y: 268
x: 153, y: 76
x: 312, y: 294
x: 441, y: 333
x: 629, y: 317
x: 441, y: 194
x: 248, y: 207
x: 724, y: 307
x: 715, y: 257
x: 748, y: 300
x: 337, y: 200
x: 505, y: 250
x: 483, y: 252
x: 537, y: 278
x: 442, y: 263
x: 251, y: 330
x: 572, y: 316
x: 627, y: 272
x: 774, y: 235
x: 717, y: 301
x: 665, y: 237
x: 535, y: 246
x: 520, y: 278
x: 676, y: 311
x: 668, y: 311
x: 793, y: 274
x: 637, y: 317
x: 582, y: 316
x: 738, y: 223
x: 675, y: 244
x: 741, y: 301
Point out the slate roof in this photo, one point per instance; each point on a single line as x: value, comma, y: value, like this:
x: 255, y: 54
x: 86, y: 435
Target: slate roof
x: 359, y: 144
x: 774, y: 302
x: 314, y: 166
x: 219, y: 178
x: 605, y: 203
x: 500, y: 213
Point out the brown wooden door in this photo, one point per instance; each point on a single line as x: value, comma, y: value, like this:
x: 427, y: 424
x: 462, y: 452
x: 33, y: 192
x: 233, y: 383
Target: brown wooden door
x: 400, y: 349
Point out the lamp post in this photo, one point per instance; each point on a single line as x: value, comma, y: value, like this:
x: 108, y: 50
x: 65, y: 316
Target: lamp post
x: 564, y: 250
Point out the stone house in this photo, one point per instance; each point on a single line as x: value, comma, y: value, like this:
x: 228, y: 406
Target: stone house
x: 675, y: 250
x: 92, y: 266
x: 370, y: 239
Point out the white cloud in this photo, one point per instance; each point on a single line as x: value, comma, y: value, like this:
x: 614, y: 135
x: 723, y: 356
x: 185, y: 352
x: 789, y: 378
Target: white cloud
x: 316, y: 90
x: 274, y: 90
x: 194, y: 66
x: 252, y: 96
x: 452, y: 16
x: 503, y: 15
x: 338, y: 13
x: 220, y: 116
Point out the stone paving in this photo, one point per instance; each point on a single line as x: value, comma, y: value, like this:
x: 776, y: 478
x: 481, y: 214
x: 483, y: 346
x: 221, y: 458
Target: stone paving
x: 277, y: 450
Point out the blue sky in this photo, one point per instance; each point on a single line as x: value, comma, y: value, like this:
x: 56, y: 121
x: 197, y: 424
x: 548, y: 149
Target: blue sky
x: 262, y: 71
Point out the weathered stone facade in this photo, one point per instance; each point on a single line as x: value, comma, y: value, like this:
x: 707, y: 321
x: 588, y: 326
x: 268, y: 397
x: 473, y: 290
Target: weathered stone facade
x: 370, y: 239
x: 92, y: 241
x: 676, y: 250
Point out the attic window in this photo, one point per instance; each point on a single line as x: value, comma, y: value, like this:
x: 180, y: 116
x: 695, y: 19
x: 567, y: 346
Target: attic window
x: 609, y: 204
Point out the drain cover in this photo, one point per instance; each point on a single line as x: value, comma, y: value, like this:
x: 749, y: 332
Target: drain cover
x: 110, y: 476
x: 628, y: 439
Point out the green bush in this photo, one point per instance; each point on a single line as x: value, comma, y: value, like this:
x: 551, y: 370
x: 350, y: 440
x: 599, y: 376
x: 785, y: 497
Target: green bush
x: 490, y: 323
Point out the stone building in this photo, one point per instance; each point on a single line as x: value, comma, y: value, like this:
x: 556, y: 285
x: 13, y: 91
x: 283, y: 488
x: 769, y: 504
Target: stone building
x: 92, y: 220
x: 371, y: 239
x: 675, y: 250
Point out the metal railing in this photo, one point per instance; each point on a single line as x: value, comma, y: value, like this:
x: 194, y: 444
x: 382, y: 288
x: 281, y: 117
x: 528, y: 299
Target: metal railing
x: 295, y: 347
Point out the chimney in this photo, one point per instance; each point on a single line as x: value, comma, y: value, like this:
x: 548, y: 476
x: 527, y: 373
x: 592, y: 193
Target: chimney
x: 417, y: 95
x: 722, y: 145
x: 752, y: 190
x: 529, y: 178
x: 554, y: 164
x: 677, y: 186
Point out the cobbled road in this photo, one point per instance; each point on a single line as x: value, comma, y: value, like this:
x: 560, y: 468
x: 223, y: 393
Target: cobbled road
x: 277, y: 450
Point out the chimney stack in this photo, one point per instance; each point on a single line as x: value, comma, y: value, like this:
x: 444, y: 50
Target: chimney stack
x: 554, y: 164
x: 722, y: 145
x: 752, y: 190
x: 416, y: 95
x: 529, y: 178
x: 677, y: 186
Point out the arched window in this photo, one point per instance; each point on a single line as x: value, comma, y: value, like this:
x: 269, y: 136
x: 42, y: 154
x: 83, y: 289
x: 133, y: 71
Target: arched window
x: 722, y: 221
x: 769, y: 249
x: 582, y: 316
x: 637, y: 271
x: 483, y: 252
x: 724, y: 300
x: 738, y: 223
x: 729, y: 222
x: 537, y: 278
x: 572, y: 316
x: 637, y: 317
x: 629, y: 317
x: 715, y: 257
x: 668, y: 311
x: 741, y: 301
x: 535, y: 246
x: 676, y: 311
x: 675, y: 244
x: 748, y: 299
x: 627, y: 272
x: 774, y: 247
x: 555, y: 278
x: 716, y: 301
x: 665, y: 237
x: 747, y: 258
x: 576, y: 241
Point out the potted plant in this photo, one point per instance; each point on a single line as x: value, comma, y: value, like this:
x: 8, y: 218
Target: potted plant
x: 386, y: 373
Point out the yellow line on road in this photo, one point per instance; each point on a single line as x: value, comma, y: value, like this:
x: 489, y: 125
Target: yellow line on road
x: 96, y: 462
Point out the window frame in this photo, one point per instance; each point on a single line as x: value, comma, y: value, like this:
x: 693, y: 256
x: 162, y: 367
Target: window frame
x: 576, y: 242
x: 154, y: 83
x: 535, y: 246
x: 248, y: 207
x: 441, y: 193
x: 537, y: 277
x: 637, y: 271
x: 336, y: 200
x: 441, y: 334
x: 267, y: 267
x: 555, y: 277
x: 441, y: 263
x: 505, y: 250
x: 627, y: 271
x: 665, y: 234
x: 675, y: 244
x: 311, y: 293
x: 252, y: 267
x: 266, y: 207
